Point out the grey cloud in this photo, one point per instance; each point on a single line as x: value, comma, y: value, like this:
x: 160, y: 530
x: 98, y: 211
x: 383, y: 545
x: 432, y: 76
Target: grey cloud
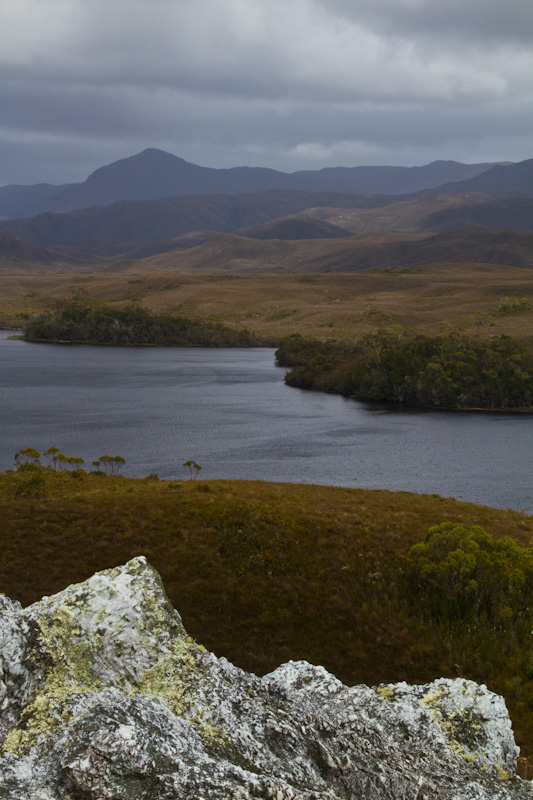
x: 477, y: 20
x: 288, y: 85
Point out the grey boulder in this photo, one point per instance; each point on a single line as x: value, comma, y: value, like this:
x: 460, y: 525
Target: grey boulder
x: 104, y: 696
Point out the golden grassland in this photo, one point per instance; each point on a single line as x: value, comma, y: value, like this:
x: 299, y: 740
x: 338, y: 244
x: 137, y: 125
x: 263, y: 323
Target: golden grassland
x: 264, y: 572
x: 336, y: 305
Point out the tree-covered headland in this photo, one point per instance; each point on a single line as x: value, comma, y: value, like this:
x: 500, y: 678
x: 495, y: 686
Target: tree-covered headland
x: 446, y: 371
x: 91, y: 321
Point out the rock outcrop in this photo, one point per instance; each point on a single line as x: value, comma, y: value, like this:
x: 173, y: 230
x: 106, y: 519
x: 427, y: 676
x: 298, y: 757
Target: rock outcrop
x: 103, y: 696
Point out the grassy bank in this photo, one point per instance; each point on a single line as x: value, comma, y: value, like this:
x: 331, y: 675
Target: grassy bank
x: 265, y: 572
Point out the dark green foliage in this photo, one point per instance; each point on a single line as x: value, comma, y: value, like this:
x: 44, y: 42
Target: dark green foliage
x: 32, y: 486
x: 474, y: 594
x: 513, y: 305
x: 93, y: 322
x: 469, y: 575
x: 447, y: 371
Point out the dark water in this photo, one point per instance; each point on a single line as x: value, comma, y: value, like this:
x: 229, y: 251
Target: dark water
x: 229, y: 410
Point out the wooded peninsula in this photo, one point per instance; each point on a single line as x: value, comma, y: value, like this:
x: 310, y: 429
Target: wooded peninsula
x: 90, y: 321
x: 446, y: 371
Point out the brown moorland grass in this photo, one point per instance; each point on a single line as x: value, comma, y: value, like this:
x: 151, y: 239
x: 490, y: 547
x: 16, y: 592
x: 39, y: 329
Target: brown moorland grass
x: 463, y: 297
x: 265, y: 572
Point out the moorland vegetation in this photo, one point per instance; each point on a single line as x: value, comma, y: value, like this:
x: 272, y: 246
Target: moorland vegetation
x: 461, y: 297
x: 375, y: 585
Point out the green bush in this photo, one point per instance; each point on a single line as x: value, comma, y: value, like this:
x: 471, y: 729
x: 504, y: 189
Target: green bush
x: 468, y: 575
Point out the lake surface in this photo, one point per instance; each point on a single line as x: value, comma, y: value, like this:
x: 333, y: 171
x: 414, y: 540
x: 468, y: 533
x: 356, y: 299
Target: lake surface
x: 229, y: 410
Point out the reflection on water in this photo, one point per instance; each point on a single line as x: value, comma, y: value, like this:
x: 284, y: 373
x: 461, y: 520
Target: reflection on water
x: 229, y: 410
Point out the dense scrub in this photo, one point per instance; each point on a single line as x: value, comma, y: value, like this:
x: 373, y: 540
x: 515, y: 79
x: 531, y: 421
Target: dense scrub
x: 450, y: 371
x: 93, y: 322
x: 263, y: 572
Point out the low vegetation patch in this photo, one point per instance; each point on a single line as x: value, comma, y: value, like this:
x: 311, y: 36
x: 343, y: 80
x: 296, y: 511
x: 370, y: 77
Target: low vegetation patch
x: 264, y: 572
x: 446, y: 370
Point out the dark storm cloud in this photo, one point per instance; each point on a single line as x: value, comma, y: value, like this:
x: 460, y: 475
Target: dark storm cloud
x: 477, y: 20
x: 290, y: 85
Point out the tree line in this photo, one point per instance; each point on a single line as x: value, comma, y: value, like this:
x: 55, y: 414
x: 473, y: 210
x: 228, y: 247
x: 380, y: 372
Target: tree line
x: 90, y: 321
x: 29, y: 459
x: 446, y: 370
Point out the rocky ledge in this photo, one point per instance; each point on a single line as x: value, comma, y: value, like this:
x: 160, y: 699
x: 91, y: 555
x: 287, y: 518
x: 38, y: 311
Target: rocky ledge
x: 104, y: 696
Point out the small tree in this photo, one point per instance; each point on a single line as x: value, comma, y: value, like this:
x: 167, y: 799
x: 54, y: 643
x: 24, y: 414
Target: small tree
x: 59, y: 461
x: 27, y: 456
x: 51, y: 453
x: 112, y: 464
x: 194, y: 468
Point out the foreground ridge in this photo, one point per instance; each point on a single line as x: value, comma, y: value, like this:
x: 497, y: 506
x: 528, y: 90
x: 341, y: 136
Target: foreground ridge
x: 103, y: 695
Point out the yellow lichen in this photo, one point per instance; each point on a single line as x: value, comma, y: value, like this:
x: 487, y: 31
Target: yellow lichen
x: 458, y: 726
x: 71, y: 656
x: 212, y: 736
x: 385, y: 692
x: 70, y: 674
x: 171, y: 676
x: 12, y: 741
x: 431, y: 699
x: 502, y: 773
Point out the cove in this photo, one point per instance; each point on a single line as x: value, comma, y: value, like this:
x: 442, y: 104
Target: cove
x: 229, y: 410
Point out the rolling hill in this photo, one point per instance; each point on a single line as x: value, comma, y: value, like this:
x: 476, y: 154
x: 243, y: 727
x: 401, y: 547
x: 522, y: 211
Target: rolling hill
x: 143, y: 221
x: 436, y: 213
x: 230, y: 253
x: 17, y: 254
x: 118, y: 230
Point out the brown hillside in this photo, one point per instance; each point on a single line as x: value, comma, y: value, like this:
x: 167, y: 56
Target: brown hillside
x: 18, y: 254
x: 372, y: 250
x: 436, y: 213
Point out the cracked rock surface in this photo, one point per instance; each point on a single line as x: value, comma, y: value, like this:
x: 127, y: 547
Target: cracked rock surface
x: 103, y: 696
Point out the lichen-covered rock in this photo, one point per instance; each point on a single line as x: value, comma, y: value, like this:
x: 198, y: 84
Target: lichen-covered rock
x: 103, y: 696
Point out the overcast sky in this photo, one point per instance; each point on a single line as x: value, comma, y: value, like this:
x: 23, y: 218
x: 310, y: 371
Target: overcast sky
x: 289, y: 84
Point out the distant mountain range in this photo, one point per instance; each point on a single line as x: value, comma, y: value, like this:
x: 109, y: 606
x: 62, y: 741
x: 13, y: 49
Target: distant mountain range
x: 154, y: 174
x: 116, y: 230
x: 150, y: 220
x: 501, y: 180
x: 482, y: 213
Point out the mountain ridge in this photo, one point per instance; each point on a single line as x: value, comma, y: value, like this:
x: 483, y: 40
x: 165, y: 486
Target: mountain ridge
x: 154, y: 173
